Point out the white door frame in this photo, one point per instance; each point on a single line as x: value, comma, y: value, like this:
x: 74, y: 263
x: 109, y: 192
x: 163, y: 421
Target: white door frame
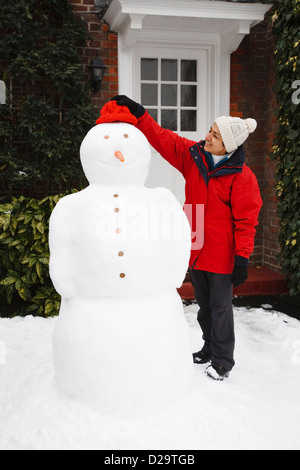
x: 218, y: 69
x: 203, y: 85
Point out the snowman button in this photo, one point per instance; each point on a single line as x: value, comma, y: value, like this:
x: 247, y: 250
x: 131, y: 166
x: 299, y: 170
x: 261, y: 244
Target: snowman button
x: 122, y: 275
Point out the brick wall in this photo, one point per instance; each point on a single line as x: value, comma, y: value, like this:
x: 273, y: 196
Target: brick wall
x: 103, y: 43
x: 271, y: 221
x: 252, y: 79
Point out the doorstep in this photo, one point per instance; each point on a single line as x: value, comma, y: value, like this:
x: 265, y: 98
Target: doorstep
x: 261, y: 281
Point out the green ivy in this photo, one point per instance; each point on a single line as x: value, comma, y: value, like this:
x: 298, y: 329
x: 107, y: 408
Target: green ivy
x: 25, y: 285
x: 49, y: 109
x: 286, y: 149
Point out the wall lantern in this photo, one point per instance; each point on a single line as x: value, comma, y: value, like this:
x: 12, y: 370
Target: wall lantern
x: 97, y: 71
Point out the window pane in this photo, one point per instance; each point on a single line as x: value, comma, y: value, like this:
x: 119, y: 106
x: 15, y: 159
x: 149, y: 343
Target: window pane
x: 188, y: 120
x: 188, y: 70
x: 169, y: 95
x: 149, y: 69
x: 149, y: 94
x: 169, y: 119
x: 153, y: 113
x: 188, y: 95
x: 169, y: 70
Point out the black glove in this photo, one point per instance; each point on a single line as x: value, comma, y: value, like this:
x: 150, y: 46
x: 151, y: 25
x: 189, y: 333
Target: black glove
x: 135, y: 108
x: 240, y: 271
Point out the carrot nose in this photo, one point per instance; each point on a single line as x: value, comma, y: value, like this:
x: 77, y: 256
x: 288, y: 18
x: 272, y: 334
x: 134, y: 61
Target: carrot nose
x: 119, y: 155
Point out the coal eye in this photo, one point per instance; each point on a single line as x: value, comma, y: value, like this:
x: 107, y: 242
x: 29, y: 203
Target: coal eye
x: 126, y: 136
x: 106, y: 137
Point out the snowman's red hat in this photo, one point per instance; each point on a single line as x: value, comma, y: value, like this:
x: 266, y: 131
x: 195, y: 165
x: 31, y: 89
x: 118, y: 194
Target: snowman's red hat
x: 112, y: 112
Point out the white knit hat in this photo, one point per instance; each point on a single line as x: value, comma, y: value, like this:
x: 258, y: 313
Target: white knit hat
x: 234, y: 130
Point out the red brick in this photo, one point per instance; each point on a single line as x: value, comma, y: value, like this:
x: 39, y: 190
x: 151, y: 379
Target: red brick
x: 113, y: 79
x: 112, y: 37
x: 94, y: 27
x: 114, y: 86
x: 113, y: 53
x: 109, y: 44
x: 79, y: 8
x: 113, y: 70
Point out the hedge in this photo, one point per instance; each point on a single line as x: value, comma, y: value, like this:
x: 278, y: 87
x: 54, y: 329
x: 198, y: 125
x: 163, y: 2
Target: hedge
x: 48, y: 110
x: 286, y: 149
x: 25, y: 285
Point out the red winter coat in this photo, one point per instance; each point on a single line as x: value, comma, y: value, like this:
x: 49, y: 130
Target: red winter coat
x: 228, y: 192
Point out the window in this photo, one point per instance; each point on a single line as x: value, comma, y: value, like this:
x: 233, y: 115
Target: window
x: 169, y: 92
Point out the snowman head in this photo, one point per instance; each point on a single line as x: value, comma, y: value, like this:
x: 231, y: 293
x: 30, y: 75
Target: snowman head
x: 115, y: 152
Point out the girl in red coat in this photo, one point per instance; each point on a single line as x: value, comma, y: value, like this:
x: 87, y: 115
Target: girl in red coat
x: 217, y: 179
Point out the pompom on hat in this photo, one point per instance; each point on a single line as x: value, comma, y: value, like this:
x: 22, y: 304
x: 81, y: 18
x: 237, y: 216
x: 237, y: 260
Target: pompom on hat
x: 234, y: 130
x: 112, y: 112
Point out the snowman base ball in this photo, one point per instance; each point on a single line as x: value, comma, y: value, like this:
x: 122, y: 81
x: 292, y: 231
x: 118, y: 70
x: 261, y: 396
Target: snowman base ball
x: 126, y: 357
x: 118, y: 253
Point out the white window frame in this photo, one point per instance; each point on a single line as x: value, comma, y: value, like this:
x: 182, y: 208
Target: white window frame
x: 201, y: 56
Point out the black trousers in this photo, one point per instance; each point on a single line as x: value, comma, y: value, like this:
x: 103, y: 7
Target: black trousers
x: 213, y: 293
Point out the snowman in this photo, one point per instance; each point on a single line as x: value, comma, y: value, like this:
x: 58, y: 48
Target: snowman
x: 118, y: 253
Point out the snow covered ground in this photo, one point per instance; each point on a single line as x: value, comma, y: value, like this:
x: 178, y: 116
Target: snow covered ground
x: 258, y: 407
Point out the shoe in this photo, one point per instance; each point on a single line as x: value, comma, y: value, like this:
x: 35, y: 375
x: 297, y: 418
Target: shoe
x: 201, y: 357
x: 216, y: 371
